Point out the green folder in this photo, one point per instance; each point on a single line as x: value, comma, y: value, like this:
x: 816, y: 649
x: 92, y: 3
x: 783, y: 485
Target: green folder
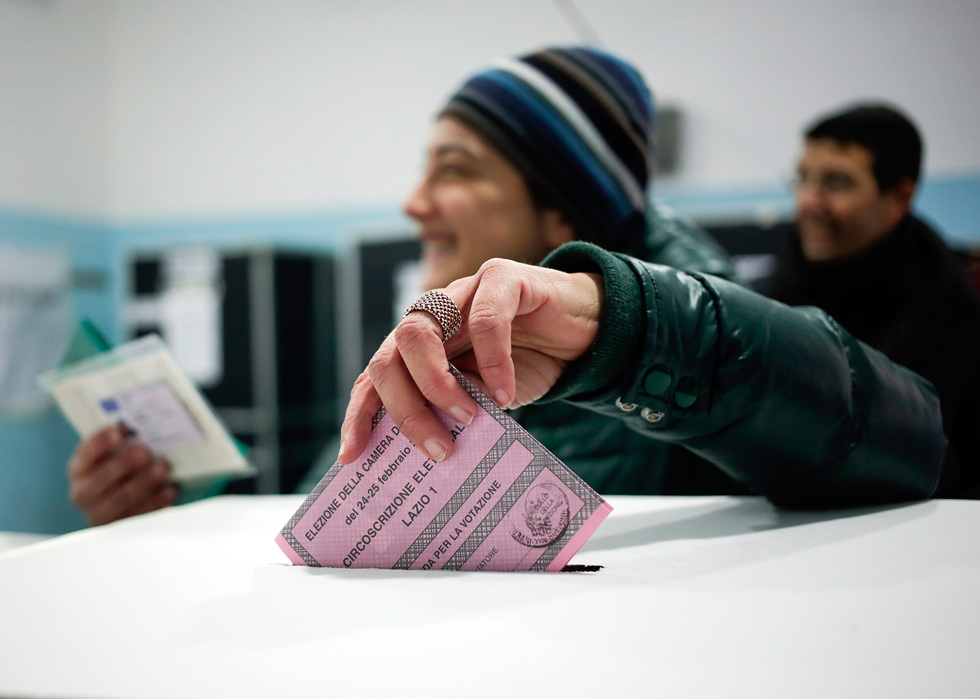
x: 87, y: 341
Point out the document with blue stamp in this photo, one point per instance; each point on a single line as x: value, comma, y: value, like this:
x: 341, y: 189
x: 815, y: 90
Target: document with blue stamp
x: 140, y: 386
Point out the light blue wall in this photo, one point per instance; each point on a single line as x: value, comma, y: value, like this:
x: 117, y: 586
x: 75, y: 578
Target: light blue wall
x: 323, y: 232
x: 311, y: 232
x: 952, y: 203
x: 33, y: 453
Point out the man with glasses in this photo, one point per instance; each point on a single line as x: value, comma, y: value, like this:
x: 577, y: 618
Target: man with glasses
x: 861, y: 255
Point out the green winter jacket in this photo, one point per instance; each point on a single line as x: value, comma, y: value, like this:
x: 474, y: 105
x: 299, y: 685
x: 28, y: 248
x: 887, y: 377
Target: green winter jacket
x: 611, y: 457
x: 690, y: 370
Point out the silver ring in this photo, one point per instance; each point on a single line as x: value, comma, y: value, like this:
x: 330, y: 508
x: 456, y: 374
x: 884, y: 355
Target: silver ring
x: 440, y: 307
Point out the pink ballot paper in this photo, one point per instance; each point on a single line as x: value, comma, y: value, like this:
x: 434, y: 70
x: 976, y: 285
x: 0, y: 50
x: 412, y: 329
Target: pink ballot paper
x: 501, y: 502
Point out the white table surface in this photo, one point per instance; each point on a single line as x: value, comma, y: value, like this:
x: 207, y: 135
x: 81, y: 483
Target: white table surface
x: 699, y: 597
x: 14, y: 540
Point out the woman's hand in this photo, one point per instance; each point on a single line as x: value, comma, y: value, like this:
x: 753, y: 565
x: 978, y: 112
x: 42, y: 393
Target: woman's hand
x: 522, y: 325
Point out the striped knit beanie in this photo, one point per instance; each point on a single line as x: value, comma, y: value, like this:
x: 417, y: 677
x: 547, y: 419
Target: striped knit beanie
x: 578, y: 124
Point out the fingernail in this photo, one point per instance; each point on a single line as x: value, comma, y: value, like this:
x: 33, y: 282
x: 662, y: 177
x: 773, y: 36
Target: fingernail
x: 343, y: 448
x: 435, y: 450
x: 501, y: 397
x: 461, y: 415
x: 159, y: 469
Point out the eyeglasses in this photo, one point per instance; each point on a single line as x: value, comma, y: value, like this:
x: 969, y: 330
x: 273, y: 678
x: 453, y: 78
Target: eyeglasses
x: 830, y: 183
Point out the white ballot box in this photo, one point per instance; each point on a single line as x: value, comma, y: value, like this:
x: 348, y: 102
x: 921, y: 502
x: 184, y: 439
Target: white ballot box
x: 696, y: 597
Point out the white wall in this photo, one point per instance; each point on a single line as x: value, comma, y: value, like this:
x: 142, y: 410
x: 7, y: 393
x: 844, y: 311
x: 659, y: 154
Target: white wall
x: 280, y: 105
x: 132, y: 110
x: 54, y: 142
x: 234, y: 105
x: 752, y: 73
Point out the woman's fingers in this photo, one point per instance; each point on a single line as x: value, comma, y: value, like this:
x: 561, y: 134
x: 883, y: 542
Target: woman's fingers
x: 419, y: 343
x: 551, y: 319
x: 387, y: 381
x: 410, y: 368
x: 406, y: 404
x: 495, y: 304
x: 364, y: 404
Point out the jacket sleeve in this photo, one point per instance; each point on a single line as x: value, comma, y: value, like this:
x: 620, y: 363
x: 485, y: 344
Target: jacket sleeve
x: 782, y: 399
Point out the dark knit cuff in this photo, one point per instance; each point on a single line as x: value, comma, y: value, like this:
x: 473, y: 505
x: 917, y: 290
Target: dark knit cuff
x: 621, y: 326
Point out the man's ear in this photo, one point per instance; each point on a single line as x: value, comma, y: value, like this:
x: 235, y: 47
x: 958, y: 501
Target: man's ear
x: 555, y: 230
x: 899, y: 200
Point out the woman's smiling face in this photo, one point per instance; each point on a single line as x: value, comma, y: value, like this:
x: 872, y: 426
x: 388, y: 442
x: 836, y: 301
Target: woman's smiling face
x: 473, y: 205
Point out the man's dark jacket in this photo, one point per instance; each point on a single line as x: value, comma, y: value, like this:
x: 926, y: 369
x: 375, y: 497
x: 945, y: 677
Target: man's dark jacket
x: 909, y: 297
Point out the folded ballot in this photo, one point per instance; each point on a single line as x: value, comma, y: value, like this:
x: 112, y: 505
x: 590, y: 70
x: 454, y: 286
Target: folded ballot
x: 140, y: 386
x: 501, y: 502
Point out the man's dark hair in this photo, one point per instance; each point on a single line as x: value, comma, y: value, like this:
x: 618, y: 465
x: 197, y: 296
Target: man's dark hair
x: 889, y: 135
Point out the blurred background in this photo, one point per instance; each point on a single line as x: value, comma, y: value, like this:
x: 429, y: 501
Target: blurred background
x: 229, y: 173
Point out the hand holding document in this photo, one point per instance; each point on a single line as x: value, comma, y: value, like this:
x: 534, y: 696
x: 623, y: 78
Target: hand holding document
x: 139, y: 385
x: 500, y: 502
